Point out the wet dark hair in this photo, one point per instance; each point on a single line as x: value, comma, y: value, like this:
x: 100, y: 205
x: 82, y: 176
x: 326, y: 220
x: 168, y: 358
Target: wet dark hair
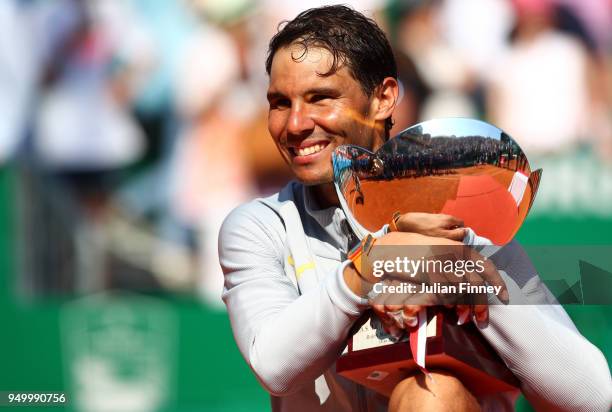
x: 353, y: 40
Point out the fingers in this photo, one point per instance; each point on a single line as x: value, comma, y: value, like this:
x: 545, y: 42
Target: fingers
x: 388, y: 323
x: 380, y: 311
x: 430, y: 224
x: 396, y: 317
x: 478, y: 313
x: 489, y: 274
x: 410, y: 314
x: 454, y: 234
x: 492, y: 277
x: 481, y: 315
x: 452, y: 221
x: 463, y: 314
x: 390, y: 314
x: 403, y: 316
x: 399, y: 319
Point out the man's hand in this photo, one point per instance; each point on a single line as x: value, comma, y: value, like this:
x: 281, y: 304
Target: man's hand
x: 436, y: 225
x: 399, y: 311
x: 429, y: 224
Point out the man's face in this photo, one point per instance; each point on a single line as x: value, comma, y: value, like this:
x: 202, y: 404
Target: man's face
x: 310, y: 115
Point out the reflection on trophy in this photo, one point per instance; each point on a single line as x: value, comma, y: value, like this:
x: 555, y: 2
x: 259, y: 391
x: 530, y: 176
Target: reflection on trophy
x: 378, y: 167
x: 461, y: 167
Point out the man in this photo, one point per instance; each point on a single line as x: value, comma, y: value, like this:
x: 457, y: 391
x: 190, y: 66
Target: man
x: 292, y: 295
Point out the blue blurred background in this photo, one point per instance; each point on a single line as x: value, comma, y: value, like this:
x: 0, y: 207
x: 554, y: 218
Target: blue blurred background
x: 130, y: 128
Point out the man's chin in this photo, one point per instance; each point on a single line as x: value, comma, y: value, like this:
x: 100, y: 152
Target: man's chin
x: 321, y: 183
x: 315, y: 181
x: 313, y: 176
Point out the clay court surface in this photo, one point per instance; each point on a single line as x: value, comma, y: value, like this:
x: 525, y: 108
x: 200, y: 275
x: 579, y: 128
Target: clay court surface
x: 478, y: 195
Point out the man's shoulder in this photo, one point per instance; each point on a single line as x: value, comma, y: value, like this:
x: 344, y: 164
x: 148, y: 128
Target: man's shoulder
x: 264, y: 211
x: 292, y: 192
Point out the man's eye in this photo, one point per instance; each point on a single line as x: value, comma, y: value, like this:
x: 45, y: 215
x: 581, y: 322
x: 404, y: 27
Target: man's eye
x: 319, y: 98
x: 280, y: 104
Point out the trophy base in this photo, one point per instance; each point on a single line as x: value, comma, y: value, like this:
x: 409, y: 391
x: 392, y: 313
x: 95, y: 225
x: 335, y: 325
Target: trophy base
x: 460, y: 350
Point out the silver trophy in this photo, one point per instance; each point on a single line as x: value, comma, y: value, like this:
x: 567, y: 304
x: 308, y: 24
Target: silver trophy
x: 461, y: 167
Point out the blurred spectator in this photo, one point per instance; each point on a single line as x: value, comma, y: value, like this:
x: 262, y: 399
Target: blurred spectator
x: 210, y: 174
x: 443, y: 70
x: 80, y: 135
x: 413, y: 94
x: 83, y: 121
x: 540, y: 91
x: 549, y: 93
x: 595, y: 19
x: 20, y: 62
x: 477, y: 31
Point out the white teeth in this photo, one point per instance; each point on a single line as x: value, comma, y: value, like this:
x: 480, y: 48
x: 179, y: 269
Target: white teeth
x: 309, y: 150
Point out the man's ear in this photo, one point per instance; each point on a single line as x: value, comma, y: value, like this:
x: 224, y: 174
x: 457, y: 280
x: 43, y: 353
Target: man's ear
x: 386, y: 96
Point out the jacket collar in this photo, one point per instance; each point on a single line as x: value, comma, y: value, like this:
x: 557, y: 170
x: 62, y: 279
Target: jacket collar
x: 324, y: 217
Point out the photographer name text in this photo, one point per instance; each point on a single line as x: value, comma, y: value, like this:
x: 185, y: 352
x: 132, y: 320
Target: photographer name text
x: 436, y: 288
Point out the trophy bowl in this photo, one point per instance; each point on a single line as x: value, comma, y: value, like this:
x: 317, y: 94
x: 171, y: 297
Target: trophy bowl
x: 456, y: 166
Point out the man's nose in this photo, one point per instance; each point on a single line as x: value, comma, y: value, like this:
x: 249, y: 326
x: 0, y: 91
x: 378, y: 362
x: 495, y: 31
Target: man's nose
x: 300, y: 121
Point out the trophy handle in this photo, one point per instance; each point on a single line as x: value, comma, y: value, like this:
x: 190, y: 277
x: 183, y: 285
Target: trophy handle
x: 534, y: 184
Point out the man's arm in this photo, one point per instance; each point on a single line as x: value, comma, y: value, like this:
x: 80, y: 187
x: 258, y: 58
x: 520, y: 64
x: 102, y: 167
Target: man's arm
x: 288, y: 339
x: 558, y: 368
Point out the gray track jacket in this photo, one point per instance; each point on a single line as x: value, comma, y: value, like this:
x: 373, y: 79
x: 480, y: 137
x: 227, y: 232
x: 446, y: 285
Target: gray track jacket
x: 291, y: 313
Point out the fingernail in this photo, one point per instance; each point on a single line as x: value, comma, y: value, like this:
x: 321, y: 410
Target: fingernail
x: 505, y: 298
x: 397, y: 317
x: 481, y: 324
x: 463, y: 317
x: 411, y: 321
x: 395, y: 331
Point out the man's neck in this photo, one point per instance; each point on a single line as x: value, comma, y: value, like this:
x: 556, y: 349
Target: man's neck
x: 325, y: 195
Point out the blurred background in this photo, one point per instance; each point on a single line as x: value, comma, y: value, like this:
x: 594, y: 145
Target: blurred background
x: 130, y: 128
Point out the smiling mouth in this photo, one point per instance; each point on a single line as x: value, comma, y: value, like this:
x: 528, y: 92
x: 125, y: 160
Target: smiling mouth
x: 309, y: 150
